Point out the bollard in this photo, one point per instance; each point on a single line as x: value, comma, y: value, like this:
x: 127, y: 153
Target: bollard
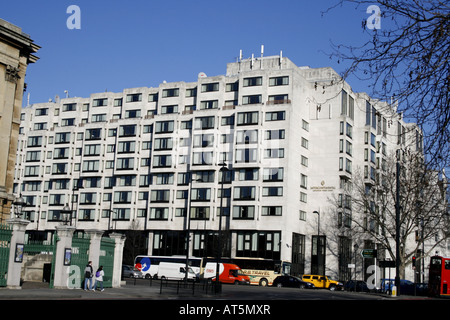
x: 394, y: 291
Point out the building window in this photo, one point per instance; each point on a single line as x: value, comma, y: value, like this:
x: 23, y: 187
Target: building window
x: 169, y: 109
x: 153, y: 97
x: 247, y: 118
x: 275, y: 116
x: 62, y: 137
x: 122, y: 214
x: 203, y: 158
x: 130, y: 114
x: 272, y: 191
x: 122, y: 196
x: 244, y: 212
x: 200, y: 213
x: 162, y: 161
x: 252, y: 99
x: 247, y: 136
x: 208, y: 87
x: 271, y: 211
x: 34, y: 156
x: 163, y: 144
x: 160, y: 196
x: 275, y: 134
x: 91, y: 166
x: 69, y: 107
x: 88, y: 198
x: 98, y: 117
x: 204, y: 123
x: 134, y: 97
x: 201, y: 194
x: 251, y: 82
x: 244, y: 193
x: 209, y: 104
x: 192, y: 92
x: 125, y: 163
x: 258, y: 244
x: 203, y: 140
x: 164, y: 127
x: 89, y: 150
x: 273, y: 174
x: 93, y: 134
x: 127, y: 130
x: 274, y: 153
x: 164, y: 178
x: 126, y: 147
x: 251, y: 174
x: 234, y: 86
x: 174, y: 92
x: 246, y: 155
x: 100, y: 102
x: 59, y: 168
x: 227, y: 121
x: 279, y: 81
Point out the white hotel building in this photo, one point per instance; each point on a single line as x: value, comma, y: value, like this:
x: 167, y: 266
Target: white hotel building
x: 291, y: 137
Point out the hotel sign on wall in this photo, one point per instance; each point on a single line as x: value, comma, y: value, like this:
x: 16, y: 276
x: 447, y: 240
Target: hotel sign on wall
x: 323, y: 187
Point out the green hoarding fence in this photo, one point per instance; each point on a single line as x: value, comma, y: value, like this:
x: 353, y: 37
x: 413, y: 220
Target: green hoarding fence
x: 5, y: 243
x: 106, y: 260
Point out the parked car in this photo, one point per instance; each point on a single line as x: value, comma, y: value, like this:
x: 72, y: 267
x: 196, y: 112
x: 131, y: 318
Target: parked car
x: 322, y: 282
x: 291, y: 281
x: 356, y: 285
x: 406, y: 287
x: 131, y: 272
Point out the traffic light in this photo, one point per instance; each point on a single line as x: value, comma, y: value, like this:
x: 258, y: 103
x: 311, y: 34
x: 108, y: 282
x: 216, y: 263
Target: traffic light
x: 413, y: 261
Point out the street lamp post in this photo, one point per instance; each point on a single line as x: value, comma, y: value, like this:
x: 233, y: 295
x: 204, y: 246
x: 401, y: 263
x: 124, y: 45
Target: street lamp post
x: 76, y: 187
x: 397, y: 226
x: 19, y: 203
x: 188, y: 223
x: 66, y: 213
x: 223, y: 169
x: 355, y: 249
x: 318, y: 240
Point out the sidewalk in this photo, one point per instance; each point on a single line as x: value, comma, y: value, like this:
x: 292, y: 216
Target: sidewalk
x: 41, y: 291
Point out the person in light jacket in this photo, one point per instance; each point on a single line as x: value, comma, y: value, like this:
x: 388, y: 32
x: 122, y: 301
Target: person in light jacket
x: 99, y: 278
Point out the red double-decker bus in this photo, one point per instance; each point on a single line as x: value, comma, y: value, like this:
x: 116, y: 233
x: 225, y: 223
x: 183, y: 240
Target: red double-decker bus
x: 439, y: 277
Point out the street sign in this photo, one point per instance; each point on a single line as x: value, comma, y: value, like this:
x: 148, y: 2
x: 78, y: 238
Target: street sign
x: 387, y: 264
x: 369, y: 253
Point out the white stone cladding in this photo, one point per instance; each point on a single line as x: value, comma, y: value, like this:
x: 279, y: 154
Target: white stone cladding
x: 276, y: 184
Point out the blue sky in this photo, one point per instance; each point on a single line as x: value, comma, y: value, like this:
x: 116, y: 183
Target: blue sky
x: 137, y: 43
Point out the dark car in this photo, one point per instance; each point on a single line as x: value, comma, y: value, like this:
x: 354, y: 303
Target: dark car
x: 356, y: 285
x: 291, y: 281
x: 406, y: 287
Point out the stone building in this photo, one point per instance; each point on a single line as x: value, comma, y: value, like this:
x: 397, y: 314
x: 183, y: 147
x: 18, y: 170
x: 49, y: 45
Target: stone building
x: 147, y: 158
x: 16, y: 52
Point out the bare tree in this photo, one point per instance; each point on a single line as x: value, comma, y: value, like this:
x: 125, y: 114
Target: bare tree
x: 423, y: 210
x: 406, y: 58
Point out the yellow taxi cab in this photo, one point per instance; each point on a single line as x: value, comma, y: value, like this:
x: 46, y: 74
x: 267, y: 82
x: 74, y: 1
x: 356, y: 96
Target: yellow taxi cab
x: 322, y: 282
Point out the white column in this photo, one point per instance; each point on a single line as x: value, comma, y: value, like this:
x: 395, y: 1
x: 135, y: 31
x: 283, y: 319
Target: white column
x: 15, y: 267
x: 118, y: 257
x: 61, y: 273
x: 94, y: 248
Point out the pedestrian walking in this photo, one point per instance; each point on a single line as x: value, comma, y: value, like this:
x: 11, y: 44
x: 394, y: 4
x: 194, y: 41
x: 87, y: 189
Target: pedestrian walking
x: 99, y: 278
x: 88, y: 276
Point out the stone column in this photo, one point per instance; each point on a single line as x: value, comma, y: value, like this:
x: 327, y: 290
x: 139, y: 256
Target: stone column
x: 61, y: 273
x: 18, y: 237
x: 118, y: 257
x: 94, y: 248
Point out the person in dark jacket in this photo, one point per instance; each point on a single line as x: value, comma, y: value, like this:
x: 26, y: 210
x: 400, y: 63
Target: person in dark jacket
x: 88, y: 276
